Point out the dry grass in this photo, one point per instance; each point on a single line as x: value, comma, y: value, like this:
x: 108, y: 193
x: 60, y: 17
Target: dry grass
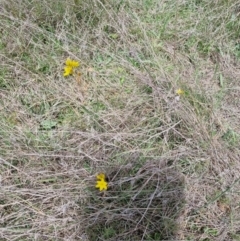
x: 172, y: 163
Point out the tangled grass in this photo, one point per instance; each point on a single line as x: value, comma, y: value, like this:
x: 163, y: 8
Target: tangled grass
x: 172, y: 160
x: 143, y: 203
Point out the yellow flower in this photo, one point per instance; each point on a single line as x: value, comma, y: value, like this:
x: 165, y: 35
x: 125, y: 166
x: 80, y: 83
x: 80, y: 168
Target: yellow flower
x: 69, y: 66
x: 67, y: 71
x: 101, y: 176
x: 101, y: 182
x: 180, y: 92
x: 72, y: 63
x: 102, y: 185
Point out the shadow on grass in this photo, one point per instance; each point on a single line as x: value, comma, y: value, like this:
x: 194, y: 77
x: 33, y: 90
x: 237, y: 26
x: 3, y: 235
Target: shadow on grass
x: 142, y: 204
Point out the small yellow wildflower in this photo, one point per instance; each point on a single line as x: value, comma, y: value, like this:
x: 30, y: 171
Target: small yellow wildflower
x: 72, y: 63
x: 101, y: 176
x: 69, y: 66
x: 67, y: 71
x: 180, y: 92
x: 101, y: 182
x: 102, y: 185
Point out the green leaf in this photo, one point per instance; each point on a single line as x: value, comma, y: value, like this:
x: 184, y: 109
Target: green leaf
x: 48, y: 124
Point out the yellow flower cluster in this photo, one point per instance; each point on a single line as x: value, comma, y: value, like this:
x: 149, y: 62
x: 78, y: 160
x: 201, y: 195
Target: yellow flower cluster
x: 69, y: 66
x: 101, y: 182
